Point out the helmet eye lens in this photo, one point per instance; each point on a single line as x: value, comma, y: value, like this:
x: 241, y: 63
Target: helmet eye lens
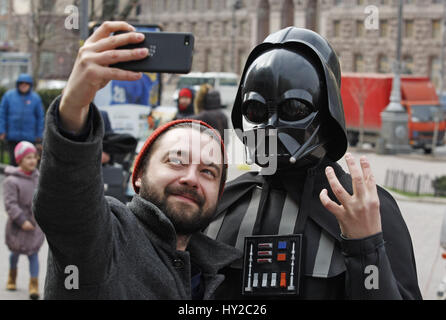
x: 255, y: 111
x: 294, y: 110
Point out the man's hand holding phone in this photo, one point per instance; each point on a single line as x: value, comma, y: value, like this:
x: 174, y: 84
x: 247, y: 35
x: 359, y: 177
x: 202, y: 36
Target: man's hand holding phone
x: 91, y: 70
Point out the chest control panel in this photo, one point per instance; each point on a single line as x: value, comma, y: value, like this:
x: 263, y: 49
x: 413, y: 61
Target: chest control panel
x: 271, y: 265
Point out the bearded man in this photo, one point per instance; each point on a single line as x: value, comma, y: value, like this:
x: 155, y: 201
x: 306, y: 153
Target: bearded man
x: 150, y: 248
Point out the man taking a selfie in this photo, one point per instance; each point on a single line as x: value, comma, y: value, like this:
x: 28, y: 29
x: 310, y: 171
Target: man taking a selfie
x: 152, y: 247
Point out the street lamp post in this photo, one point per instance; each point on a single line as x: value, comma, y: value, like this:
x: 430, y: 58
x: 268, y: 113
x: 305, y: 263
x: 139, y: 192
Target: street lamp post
x: 84, y: 20
x: 438, y: 114
x: 394, y: 118
x: 236, y: 5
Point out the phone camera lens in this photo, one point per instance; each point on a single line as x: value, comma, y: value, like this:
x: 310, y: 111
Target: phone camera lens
x: 186, y: 40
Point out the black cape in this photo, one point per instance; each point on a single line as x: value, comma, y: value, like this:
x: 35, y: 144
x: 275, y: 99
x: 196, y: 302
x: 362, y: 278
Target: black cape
x: 332, y: 267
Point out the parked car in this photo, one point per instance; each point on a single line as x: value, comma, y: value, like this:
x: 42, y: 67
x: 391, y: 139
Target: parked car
x: 224, y: 82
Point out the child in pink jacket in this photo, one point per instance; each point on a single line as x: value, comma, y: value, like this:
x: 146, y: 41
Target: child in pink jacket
x: 23, y: 235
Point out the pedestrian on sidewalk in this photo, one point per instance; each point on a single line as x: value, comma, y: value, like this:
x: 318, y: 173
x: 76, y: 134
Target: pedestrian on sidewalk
x: 185, y: 104
x: 21, y: 116
x: 23, y: 235
x: 208, y: 108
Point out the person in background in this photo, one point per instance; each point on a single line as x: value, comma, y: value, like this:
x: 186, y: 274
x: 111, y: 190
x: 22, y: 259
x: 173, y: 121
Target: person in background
x: 23, y: 235
x: 185, y: 104
x: 107, y: 130
x: 21, y: 116
x: 107, y: 124
x: 208, y: 109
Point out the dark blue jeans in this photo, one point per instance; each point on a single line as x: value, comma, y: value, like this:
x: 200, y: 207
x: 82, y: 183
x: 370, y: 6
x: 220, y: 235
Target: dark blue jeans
x: 33, y: 263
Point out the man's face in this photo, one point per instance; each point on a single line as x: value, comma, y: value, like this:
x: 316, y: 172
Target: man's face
x: 183, y: 178
x: 24, y: 87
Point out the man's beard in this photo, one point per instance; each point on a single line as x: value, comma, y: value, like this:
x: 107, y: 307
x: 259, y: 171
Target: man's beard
x: 185, y: 224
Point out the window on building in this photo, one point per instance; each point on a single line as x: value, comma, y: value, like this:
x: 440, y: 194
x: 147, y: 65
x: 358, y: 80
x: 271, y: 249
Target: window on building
x: 360, y: 2
x: 263, y: 20
x: 385, y: 2
x: 225, y: 29
x: 194, y: 5
x: 435, y: 70
x: 4, y: 7
x: 287, y: 14
x: 383, y: 64
x: 209, y: 4
x: 3, y: 32
x: 358, y: 63
x: 360, y: 28
x: 336, y: 28
x: 225, y: 61
x: 242, y: 57
x: 408, y: 28
x: 408, y: 65
x: 384, y: 28
x: 242, y: 28
x: 207, y: 60
x: 337, y: 2
x: 208, y: 28
x: 436, y: 28
x: 48, y: 5
x: 193, y: 28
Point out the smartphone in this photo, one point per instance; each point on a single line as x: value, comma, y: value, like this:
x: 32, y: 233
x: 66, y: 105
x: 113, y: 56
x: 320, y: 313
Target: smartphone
x: 169, y: 52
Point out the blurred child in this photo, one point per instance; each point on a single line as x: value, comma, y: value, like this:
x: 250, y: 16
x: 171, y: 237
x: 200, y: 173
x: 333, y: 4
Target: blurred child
x: 23, y: 235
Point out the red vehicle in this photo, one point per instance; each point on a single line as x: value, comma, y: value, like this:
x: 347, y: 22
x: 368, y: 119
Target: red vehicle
x: 372, y: 92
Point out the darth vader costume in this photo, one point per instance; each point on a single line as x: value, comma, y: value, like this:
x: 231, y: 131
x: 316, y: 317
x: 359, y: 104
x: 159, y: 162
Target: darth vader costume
x: 293, y: 247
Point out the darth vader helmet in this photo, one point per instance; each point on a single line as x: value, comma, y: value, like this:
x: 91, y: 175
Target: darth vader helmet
x: 290, y: 92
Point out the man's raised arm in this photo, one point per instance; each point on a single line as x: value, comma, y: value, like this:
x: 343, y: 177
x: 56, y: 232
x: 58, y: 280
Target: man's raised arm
x: 69, y: 204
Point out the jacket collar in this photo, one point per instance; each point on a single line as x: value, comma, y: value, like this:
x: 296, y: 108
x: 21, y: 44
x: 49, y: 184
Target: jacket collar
x: 209, y: 254
x: 155, y: 221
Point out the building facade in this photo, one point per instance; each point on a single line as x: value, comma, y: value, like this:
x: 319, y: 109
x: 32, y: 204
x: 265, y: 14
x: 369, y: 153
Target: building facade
x: 366, y: 47
x: 225, y: 36
x: 363, y: 32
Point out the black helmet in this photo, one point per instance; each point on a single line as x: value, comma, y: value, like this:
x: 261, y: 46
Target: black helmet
x: 317, y: 49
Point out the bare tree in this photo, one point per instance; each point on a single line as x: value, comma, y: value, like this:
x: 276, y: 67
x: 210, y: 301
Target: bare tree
x: 110, y: 9
x: 360, y: 91
x: 42, y: 23
x: 125, y: 12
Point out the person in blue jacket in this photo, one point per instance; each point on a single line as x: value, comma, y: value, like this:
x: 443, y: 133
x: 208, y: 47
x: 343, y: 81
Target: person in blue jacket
x: 21, y: 115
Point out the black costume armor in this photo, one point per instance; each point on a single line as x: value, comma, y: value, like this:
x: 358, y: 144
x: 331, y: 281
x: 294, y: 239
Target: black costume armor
x: 291, y: 83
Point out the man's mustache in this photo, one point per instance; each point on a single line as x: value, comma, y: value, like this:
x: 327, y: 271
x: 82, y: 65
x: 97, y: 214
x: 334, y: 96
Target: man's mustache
x: 187, y: 192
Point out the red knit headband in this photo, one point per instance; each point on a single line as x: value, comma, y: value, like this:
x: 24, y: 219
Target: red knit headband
x: 151, y: 139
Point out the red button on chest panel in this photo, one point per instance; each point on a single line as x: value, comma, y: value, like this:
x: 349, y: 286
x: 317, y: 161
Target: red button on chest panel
x: 283, y: 279
x: 281, y: 257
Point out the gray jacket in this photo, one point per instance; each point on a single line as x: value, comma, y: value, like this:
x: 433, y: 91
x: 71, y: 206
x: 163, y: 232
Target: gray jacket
x: 118, y: 251
x: 18, y: 190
